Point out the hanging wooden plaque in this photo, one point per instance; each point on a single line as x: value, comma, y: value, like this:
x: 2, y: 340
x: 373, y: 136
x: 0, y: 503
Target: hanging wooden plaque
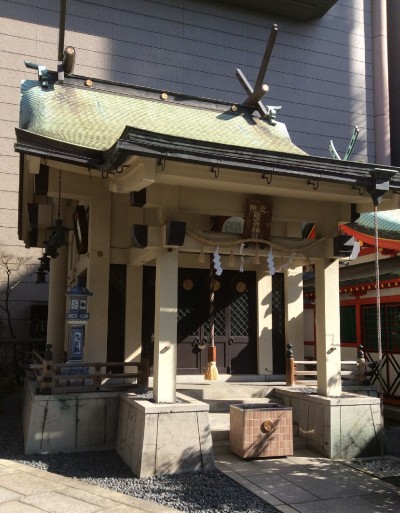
x: 257, y: 221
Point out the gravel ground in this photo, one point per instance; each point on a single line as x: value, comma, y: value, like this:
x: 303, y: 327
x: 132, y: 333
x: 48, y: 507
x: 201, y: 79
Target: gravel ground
x: 198, y: 492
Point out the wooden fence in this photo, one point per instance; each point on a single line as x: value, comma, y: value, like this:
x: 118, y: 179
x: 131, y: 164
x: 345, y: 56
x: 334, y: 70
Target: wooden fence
x: 353, y: 372
x: 60, y: 378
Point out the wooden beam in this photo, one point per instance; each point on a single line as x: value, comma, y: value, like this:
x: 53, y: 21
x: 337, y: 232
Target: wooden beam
x: 134, y: 178
x: 254, y: 98
x: 249, y: 90
x: 260, y: 89
x: 266, y: 58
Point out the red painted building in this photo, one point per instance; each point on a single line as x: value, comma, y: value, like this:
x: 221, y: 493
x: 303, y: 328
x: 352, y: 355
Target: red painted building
x: 358, y: 299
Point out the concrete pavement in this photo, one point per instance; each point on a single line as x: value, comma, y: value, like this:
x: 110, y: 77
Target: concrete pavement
x: 307, y: 483
x: 304, y: 483
x: 25, y: 489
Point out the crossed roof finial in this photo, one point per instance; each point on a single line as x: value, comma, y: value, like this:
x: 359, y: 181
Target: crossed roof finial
x: 260, y: 89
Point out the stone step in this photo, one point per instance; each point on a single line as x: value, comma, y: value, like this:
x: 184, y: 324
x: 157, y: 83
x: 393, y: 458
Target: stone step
x: 276, y: 379
x: 220, y: 426
x: 221, y: 447
x: 220, y: 395
x: 223, y: 405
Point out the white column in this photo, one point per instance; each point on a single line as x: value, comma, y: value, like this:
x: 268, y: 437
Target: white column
x: 56, y: 308
x: 95, y: 348
x: 294, y: 311
x: 264, y: 319
x: 165, y: 326
x: 327, y: 310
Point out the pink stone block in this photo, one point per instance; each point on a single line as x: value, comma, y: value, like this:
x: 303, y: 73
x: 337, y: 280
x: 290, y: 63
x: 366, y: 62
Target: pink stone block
x: 261, y: 430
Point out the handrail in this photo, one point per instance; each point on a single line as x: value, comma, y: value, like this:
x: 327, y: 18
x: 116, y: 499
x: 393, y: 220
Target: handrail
x: 52, y: 377
x: 360, y: 371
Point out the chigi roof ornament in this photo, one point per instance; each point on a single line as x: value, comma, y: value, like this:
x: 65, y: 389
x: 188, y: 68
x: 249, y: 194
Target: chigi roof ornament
x: 335, y: 154
x: 260, y: 89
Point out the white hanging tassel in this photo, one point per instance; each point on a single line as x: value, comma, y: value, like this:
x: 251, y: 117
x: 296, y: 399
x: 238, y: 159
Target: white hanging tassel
x: 271, y: 263
x: 356, y: 250
x: 217, y: 262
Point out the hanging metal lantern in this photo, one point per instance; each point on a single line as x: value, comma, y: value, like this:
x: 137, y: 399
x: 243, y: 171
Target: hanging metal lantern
x: 58, y: 231
x: 57, y: 238
x: 45, y: 262
x: 41, y: 276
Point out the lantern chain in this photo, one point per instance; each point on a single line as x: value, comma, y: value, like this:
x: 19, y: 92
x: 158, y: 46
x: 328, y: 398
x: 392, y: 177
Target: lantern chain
x: 379, y: 334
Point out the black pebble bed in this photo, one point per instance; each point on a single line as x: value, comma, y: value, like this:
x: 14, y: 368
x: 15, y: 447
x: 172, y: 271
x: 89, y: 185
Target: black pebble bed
x: 197, y: 492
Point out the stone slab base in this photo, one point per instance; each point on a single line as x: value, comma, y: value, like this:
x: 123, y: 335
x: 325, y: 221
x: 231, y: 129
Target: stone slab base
x: 155, y: 439
x: 69, y: 422
x: 338, y: 428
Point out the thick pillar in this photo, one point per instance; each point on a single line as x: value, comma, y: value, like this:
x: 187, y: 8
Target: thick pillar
x: 98, y: 275
x: 264, y: 319
x: 327, y: 310
x: 294, y: 311
x: 56, y: 309
x: 165, y: 326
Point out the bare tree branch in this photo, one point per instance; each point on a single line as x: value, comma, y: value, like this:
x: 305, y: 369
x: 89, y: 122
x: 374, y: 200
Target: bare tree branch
x: 11, y: 264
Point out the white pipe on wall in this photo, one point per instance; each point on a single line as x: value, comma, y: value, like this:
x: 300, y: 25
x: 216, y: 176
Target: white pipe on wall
x: 381, y: 82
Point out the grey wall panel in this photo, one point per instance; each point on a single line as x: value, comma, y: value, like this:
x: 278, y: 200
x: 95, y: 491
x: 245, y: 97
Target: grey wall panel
x: 320, y: 71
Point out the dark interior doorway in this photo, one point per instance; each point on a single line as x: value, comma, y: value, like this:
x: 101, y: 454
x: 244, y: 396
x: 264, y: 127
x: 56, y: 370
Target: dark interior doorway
x: 235, y: 320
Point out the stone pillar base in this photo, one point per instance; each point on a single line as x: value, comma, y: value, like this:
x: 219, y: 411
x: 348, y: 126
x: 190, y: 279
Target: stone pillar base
x: 71, y: 422
x: 343, y: 427
x: 155, y: 438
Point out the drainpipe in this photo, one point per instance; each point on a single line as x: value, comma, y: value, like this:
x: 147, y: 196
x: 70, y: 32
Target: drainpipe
x: 393, y: 11
x: 381, y: 82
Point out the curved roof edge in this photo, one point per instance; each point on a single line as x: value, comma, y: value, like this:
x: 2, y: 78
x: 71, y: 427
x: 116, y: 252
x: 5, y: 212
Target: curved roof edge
x: 388, y: 229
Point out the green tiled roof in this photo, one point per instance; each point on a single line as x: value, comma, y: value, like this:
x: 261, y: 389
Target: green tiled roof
x: 96, y: 119
x: 388, y: 229
x: 388, y: 222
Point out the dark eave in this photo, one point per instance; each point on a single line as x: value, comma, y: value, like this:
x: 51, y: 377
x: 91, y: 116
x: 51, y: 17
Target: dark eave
x: 299, y: 10
x: 143, y: 143
x: 362, y: 272
x: 147, y: 144
x: 39, y: 146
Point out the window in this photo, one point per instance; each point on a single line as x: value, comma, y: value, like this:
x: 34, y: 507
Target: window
x: 390, y: 327
x: 393, y: 327
x: 348, y: 324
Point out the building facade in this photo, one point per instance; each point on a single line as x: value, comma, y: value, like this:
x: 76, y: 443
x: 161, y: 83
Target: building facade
x: 359, y: 297
x: 328, y: 71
